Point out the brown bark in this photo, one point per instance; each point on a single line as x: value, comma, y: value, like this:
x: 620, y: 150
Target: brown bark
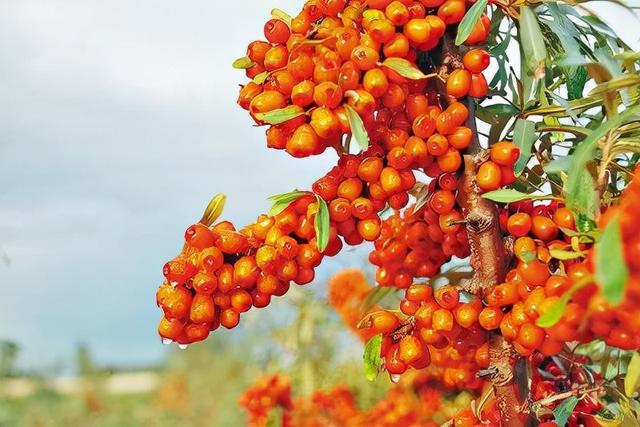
x: 490, y: 258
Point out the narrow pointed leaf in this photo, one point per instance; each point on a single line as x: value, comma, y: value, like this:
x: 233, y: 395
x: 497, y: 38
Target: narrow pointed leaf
x: 243, y: 63
x: 372, y: 359
x: 469, y: 21
x: 322, y: 224
x: 281, y: 15
x: 281, y: 115
x: 507, y: 195
x: 282, y: 201
x: 404, y: 68
x: 612, y: 272
x: 524, y: 136
x: 213, y: 210
x: 563, y: 411
x: 534, y: 49
x: 358, y: 130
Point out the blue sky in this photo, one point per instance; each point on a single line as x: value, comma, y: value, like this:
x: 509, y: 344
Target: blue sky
x: 117, y: 124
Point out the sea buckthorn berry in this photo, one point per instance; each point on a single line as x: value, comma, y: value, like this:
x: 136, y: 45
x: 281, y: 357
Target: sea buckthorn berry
x: 418, y: 31
x: 246, y: 271
x: 525, y: 249
x: 257, y: 50
x: 350, y: 189
x: 384, y: 322
x: 480, y: 31
x: 489, y: 176
x: 267, y: 101
x: 437, y: 145
x: 447, y: 297
x: 370, y: 169
x: 179, y: 270
x: 394, y: 97
x: 519, y: 224
x: 544, y: 228
x: 397, y: 13
x: 375, y: 82
x: 362, y: 208
x: 423, y: 126
x: 563, y: 217
x: 390, y: 180
x: 331, y: 7
x: 302, y: 93
x: 369, y: 229
x: 397, y: 46
x: 203, y: 309
x: 530, y: 336
x: 229, y: 318
x: 170, y: 328
x: 418, y: 293
x: 276, y: 31
x: 442, y: 320
x: 466, y: 315
x: 479, y: 87
x: 442, y: 201
x: 476, y: 60
x: 557, y: 285
x: 505, y: 153
x: 241, y: 300
x: 327, y: 94
x: 247, y: 93
x: 365, y: 57
x: 410, y: 349
x: 276, y: 58
x: 304, y: 142
x: 458, y: 113
x: 533, y: 273
x: 450, y: 161
x: 324, y: 122
x: 204, y: 283
x: 460, y: 138
x: 340, y: 209
x: 402, y: 281
x: 490, y: 318
x: 452, y: 11
x: 459, y: 82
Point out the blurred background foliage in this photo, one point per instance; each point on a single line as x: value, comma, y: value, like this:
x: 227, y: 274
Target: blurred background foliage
x: 199, y: 386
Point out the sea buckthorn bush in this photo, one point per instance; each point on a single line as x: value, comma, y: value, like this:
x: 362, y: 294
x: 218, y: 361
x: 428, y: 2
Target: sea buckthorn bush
x: 498, y: 205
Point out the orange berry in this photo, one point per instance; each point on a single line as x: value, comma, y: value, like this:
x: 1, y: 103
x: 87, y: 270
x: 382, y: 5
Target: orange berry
x: 417, y: 31
x: 544, y: 228
x: 384, y: 322
x: 519, y: 224
x: 476, y: 60
x: 276, y: 31
x: 479, y: 87
x: 489, y: 176
x: 459, y: 83
x: 490, y: 318
x: 452, y: 11
x: 505, y: 153
x: 411, y: 349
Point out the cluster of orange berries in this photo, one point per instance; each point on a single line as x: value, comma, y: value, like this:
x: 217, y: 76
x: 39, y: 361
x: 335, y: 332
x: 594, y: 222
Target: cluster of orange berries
x: 348, y: 291
x: 440, y: 329
x: 267, y: 393
x: 498, y: 170
x: 539, y: 281
x: 223, y: 272
x: 334, y: 57
x: 416, y: 243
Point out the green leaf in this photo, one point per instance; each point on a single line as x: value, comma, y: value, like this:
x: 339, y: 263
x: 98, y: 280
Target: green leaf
x: 405, y: 68
x: 469, y: 21
x: 554, y: 314
x: 632, y: 379
x: 281, y: 15
x: 508, y: 195
x: 261, y: 78
x: 213, y: 210
x: 612, y: 272
x: 372, y: 359
x: 496, y: 113
x: 534, y: 49
x: 524, y: 136
x: 579, y: 179
x: 243, y: 63
x: 322, y: 224
x: 376, y: 295
x: 576, y: 80
x: 563, y: 411
x: 358, y: 130
x: 283, y: 200
x: 281, y: 115
x: 565, y: 255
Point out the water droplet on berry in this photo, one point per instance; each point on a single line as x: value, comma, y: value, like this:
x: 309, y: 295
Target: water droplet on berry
x: 182, y: 346
x: 167, y: 341
x: 395, y: 378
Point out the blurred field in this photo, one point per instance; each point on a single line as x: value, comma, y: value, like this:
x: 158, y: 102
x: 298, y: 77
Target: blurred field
x: 199, y: 386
